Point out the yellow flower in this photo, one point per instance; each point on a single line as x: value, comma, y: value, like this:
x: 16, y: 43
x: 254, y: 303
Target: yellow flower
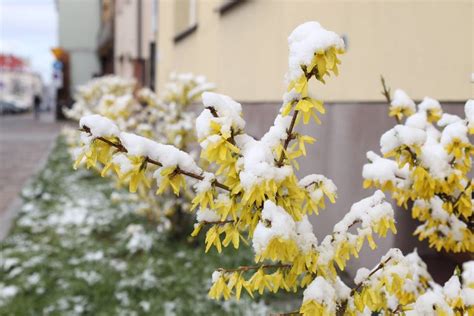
x: 400, y: 111
x: 308, y: 107
x: 171, y: 178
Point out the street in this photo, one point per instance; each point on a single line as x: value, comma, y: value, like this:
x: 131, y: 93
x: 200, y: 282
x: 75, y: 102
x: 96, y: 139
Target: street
x: 24, y: 146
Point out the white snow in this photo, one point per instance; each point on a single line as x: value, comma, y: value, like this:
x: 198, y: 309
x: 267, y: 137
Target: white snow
x: 322, y: 292
x: 305, y: 237
x: 167, y: 155
x: 454, y: 131
x: 452, y: 288
x: 468, y: 273
x: 429, y: 104
x: 469, y: 111
x: 418, y: 120
x: 447, y: 119
x: 207, y: 215
x: 203, y: 124
x: 205, y: 184
x: 319, y: 180
x: 280, y: 225
x: 225, y: 107
x: 367, y: 211
x: 402, y: 100
x: 258, y: 163
x: 361, y: 275
x: 424, y: 305
x: 305, y: 40
x: 380, y: 169
x: 277, y: 132
x: 99, y: 126
x: 401, y: 135
x: 447, y: 224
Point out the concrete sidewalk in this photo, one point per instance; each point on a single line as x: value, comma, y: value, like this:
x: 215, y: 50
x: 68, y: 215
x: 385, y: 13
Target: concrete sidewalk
x: 24, y: 146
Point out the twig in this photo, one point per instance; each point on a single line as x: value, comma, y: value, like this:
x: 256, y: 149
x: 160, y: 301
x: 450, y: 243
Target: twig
x: 386, y: 90
x: 463, y: 192
x: 386, y: 93
x: 289, y: 137
x: 217, y: 222
x: 248, y: 268
x: 289, y: 132
x: 287, y: 314
x: 379, y: 266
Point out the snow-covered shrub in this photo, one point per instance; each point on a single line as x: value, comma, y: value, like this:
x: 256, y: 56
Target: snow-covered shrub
x: 253, y: 194
x: 168, y: 118
x: 95, y: 93
x: 425, y: 164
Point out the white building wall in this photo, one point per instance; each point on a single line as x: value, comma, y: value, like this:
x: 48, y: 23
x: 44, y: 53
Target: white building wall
x: 79, y: 22
x: 126, y: 33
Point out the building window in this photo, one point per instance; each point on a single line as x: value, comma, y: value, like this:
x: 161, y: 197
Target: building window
x: 185, y: 18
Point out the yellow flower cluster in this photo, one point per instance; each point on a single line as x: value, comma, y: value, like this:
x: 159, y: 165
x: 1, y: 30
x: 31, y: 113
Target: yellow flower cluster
x: 428, y: 170
x: 167, y: 119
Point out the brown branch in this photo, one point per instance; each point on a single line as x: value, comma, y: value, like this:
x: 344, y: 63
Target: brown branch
x: 121, y: 148
x: 289, y: 137
x: 212, y: 110
x: 289, y: 132
x: 463, y: 192
x: 287, y: 314
x: 343, y: 308
x: 217, y: 222
x: 214, y: 114
x: 379, y: 266
x: 386, y: 94
x: 386, y: 90
x: 248, y: 268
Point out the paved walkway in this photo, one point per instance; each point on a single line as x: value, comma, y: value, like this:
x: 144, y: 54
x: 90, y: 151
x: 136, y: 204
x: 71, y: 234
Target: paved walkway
x: 24, y: 147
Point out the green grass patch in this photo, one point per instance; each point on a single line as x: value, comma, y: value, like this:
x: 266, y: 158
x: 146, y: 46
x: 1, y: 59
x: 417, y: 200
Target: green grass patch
x: 72, y: 252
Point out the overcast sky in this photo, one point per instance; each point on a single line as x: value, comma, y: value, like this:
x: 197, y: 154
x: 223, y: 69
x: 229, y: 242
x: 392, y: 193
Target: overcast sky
x: 29, y: 28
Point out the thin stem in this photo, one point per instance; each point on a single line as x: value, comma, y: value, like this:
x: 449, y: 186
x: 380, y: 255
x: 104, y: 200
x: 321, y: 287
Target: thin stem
x: 289, y: 132
x: 377, y: 268
x: 386, y: 90
x: 386, y: 94
x: 463, y: 192
x: 248, y: 268
x: 343, y: 307
x: 217, y: 222
x: 288, y: 314
x: 289, y: 137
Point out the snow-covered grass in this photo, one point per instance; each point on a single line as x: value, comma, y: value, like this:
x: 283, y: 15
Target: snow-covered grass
x: 79, y: 248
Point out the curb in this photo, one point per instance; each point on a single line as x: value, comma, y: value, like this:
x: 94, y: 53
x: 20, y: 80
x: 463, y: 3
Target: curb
x: 8, y: 217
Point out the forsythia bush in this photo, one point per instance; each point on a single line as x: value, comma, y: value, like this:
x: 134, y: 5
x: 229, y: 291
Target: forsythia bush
x: 167, y: 118
x: 427, y: 169
x: 254, y: 195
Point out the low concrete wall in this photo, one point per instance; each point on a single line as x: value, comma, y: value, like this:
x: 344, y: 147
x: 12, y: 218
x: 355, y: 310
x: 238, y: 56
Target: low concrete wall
x: 347, y: 132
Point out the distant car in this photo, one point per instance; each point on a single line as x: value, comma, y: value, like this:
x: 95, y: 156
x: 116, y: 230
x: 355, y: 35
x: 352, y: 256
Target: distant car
x: 9, y: 108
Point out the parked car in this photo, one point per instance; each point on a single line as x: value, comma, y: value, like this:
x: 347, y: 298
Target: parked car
x: 9, y: 108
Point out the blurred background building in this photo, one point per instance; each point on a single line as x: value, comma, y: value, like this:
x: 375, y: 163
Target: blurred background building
x: 135, y: 35
x: 422, y: 47
x: 79, y: 23
x: 99, y: 37
x: 18, y: 84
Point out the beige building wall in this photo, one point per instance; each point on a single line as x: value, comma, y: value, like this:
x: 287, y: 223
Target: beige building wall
x: 425, y: 47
